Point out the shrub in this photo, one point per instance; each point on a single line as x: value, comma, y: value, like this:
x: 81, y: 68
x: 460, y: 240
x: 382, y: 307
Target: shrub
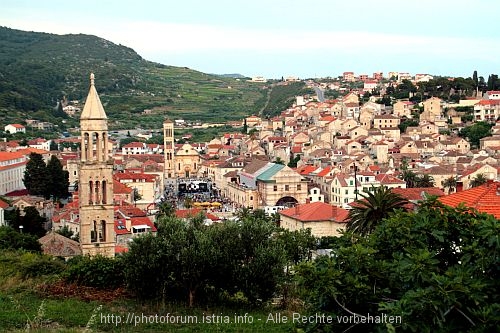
x: 34, y: 265
x: 13, y: 240
x: 100, y: 272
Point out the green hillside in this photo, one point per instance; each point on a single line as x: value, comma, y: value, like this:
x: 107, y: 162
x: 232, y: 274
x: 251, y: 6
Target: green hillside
x: 38, y: 69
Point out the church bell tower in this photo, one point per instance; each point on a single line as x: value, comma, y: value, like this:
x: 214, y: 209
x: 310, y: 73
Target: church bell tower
x: 96, y: 209
x: 169, y: 152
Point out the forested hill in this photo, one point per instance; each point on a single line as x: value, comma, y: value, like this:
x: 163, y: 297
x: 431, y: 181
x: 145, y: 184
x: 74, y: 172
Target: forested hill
x: 38, y: 69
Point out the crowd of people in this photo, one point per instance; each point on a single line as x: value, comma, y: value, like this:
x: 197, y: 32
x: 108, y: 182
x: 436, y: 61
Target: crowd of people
x: 208, y: 197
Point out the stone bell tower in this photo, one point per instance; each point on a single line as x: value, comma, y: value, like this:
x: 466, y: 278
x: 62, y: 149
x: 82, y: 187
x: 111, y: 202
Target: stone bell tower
x: 169, y: 152
x: 96, y: 209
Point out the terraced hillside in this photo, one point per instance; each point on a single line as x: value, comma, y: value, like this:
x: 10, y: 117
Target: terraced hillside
x: 38, y: 69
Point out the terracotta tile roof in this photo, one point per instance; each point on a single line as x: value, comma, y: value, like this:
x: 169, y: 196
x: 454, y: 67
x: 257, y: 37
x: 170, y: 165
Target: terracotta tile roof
x: 143, y: 220
x: 485, y: 198
x: 415, y: 194
x: 129, y: 210
x: 119, y: 188
x: 386, y: 179
x: 3, y: 204
x: 134, y: 145
x: 7, y: 156
x: 488, y: 102
x: 17, y: 193
x: 327, y: 118
x: 120, y: 249
x: 135, y: 176
x: 325, y: 171
x: 316, y: 211
x: 254, y: 166
x: 307, y: 170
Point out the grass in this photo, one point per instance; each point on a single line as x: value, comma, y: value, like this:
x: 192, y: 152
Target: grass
x: 26, y: 307
x: 42, y: 314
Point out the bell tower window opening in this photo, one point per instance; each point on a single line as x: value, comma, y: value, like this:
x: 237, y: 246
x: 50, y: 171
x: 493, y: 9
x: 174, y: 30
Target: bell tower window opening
x: 91, y: 192
x: 102, y: 231
x: 97, y: 199
x: 104, y: 193
x: 93, y: 232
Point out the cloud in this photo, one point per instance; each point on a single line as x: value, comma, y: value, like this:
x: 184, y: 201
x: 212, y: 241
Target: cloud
x: 156, y: 37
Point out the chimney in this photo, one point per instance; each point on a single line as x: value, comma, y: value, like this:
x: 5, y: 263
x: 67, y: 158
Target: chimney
x: 128, y: 223
x: 297, y: 209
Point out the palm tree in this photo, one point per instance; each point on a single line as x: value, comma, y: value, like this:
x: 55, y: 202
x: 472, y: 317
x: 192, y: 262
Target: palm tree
x: 450, y: 184
x: 409, y: 177
x: 425, y: 180
x: 375, y: 206
x: 479, y: 180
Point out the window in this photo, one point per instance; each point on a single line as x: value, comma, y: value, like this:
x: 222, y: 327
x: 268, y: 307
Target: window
x: 346, y: 192
x: 287, y: 187
x: 299, y: 187
x: 251, y: 197
x: 315, y: 191
x: 275, y: 188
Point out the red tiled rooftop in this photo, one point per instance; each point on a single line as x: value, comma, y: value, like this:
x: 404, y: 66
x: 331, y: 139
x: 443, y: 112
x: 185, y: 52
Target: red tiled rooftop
x: 485, y: 198
x: 3, y: 204
x: 307, y: 169
x: 120, y: 249
x: 415, y: 194
x: 7, y: 156
x: 119, y: 188
x: 325, y: 171
x: 316, y: 211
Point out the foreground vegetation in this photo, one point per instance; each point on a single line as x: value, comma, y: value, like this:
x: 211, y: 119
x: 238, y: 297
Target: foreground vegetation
x: 437, y: 270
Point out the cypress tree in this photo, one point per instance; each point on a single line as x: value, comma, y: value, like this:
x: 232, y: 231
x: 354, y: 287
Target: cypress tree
x: 36, y: 177
x: 59, y: 179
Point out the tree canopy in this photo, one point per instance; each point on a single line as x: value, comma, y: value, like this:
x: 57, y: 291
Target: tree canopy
x: 59, y: 178
x: 36, y: 177
x: 200, y: 264
x: 437, y: 268
x: 476, y: 132
x: 46, y: 179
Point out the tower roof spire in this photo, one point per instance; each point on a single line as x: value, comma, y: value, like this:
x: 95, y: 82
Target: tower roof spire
x: 93, y: 108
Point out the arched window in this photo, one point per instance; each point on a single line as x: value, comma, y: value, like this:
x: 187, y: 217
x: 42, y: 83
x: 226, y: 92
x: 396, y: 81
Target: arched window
x: 93, y: 232
x: 86, y: 146
x: 104, y: 193
x: 91, y: 192
x: 97, y: 198
x: 95, y: 142
x: 102, y: 231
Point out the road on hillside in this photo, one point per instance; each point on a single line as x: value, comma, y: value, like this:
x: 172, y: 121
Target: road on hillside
x: 319, y: 93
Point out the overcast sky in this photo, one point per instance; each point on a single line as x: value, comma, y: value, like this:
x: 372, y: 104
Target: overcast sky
x: 274, y: 38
